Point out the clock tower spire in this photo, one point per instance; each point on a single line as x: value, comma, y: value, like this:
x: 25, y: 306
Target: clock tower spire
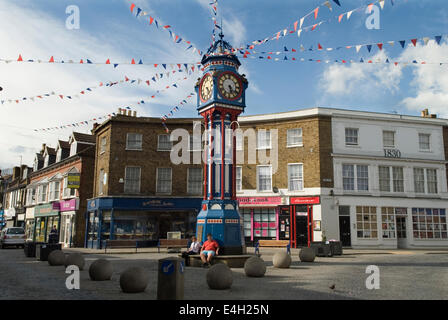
x: 221, y: 99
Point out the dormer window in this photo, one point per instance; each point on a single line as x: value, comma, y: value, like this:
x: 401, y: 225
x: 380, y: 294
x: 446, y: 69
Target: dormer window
x: 73, y: 148
x: 36, y: 164
x: 59, y: 155
x: 47, y: 159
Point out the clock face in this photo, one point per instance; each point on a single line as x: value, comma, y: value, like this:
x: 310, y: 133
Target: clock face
x: 230, y: 86
x: 206, y: 88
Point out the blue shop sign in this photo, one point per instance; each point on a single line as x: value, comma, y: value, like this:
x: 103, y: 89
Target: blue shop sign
x: 144, y: 203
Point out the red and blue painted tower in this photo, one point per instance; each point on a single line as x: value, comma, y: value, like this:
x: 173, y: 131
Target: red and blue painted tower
x: 221, y: 98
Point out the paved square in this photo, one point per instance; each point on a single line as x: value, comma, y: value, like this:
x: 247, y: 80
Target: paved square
x: 418, y: 274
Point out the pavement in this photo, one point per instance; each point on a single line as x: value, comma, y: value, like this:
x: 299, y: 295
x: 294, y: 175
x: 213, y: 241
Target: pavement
x: 404, y: 274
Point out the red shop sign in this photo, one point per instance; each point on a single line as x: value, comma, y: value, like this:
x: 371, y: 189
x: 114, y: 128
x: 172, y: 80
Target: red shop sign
x: 304, y: 200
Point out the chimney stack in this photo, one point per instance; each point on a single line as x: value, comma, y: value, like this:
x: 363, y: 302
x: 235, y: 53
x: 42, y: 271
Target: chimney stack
x: 134, y: 113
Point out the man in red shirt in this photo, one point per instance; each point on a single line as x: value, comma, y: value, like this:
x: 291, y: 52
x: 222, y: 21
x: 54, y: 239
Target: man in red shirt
x: 209, y: 249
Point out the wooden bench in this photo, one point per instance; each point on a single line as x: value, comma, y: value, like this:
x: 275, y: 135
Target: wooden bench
x: 120, y: 244
x: 172, y: 243
x: 272, y: 244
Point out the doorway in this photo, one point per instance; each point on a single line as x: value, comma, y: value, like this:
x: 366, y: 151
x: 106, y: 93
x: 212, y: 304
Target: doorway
x: 344, y: 226
x: 344, y: 231
x: 401, y: 232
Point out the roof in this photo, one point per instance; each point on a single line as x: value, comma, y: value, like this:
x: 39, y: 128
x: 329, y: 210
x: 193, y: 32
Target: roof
x: 50, y: 150
x: 64, y: 144
x: 83, y: 137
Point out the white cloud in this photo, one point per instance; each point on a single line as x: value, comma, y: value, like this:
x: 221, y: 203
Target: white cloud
x: 361, y: 78
x: 431, y: 80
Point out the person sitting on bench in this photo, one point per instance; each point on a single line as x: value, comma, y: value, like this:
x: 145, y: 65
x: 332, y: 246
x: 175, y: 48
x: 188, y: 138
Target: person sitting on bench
x: 195, y: 248
x: 209, y: 249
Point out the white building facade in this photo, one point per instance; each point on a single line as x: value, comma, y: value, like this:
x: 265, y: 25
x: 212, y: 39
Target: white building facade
x: 390, y: 183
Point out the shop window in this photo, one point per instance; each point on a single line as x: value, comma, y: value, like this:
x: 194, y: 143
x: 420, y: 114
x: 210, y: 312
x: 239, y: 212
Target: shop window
x: 194, y: 181
x: 247, y: 221
x: 265, y: 225
x: 134, y: 141
x: 388, y: 222
x: 366, y: 222
x: 294, y: 137
x: 429, y: 223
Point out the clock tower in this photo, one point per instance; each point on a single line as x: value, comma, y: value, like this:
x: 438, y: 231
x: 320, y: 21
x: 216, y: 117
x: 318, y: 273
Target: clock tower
x: 221, y: 98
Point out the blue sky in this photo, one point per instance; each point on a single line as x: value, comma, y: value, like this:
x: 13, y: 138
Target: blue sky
x: 36, y: 29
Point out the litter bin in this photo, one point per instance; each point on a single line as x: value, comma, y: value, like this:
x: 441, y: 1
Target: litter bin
x: 336, y: 247
x: 44, y: 249
x: 30, y: 248
x: 322, y: 248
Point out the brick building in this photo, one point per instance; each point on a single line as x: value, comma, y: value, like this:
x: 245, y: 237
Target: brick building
x: 50, y: 199
x: 138, y: 192
x: 14, y: 196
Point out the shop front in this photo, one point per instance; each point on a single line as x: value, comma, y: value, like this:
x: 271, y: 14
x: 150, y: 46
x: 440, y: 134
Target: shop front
x: 29, y: 223
x: 68, y: 210
x: 45, y: 217
x: 299, y: 220
x: 260, y: 218
x: 146, y: 219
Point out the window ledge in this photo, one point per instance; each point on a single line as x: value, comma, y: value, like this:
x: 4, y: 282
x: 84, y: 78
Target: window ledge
x: 164, y: 150
x: 128, y: 149
x: 356, y: 146
x: 294, y: 146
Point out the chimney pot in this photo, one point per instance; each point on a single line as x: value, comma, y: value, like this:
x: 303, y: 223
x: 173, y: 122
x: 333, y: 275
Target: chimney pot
x: 134, y: 113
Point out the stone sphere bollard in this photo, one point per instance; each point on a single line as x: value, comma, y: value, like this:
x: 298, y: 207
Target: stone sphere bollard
x: 134, y: 280
x: 219, y: 277
x: 76, y: 259
x: 281, y: 260
x: 307, y: 255
x: 56, y: 258
x: 100, y: 270
x: 254, y: 267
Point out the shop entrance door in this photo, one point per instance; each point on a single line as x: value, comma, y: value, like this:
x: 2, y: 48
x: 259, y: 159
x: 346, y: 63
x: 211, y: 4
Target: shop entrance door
x: 344, y: 231
x: 164, y: 226
x: 401, y: 232
x: 302, y: 231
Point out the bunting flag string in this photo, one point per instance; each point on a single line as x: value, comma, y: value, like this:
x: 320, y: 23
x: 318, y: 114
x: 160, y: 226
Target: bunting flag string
x: 297, y: 26
x: 214, y: 9
x: 80, y: 123
x: 137, y: 62
x: 362, y: 60
x: 175, y: 109
x: 380, y: 45
x: 139, y: 12
x: 148, y: 82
